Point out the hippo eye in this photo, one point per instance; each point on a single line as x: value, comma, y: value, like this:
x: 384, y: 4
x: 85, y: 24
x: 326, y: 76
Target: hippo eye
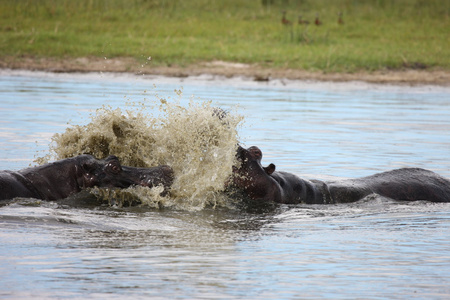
x: 256, y: 152
x: 114, y: 167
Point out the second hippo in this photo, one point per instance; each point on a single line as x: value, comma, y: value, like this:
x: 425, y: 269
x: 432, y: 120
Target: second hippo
x: 265, y: 184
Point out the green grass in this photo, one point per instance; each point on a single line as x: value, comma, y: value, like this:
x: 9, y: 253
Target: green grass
x: 377, y: 34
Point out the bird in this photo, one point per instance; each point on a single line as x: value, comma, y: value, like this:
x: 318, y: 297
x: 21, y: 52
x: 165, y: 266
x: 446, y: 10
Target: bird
x: 301, y: 21
x: 317, y: 21
x: 340, y: 21
x: 285, y: 21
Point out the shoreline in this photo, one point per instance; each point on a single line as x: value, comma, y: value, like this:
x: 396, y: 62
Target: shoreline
x: 221, y: 68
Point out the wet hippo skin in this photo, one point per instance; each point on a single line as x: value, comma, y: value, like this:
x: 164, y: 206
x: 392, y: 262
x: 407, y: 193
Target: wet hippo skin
x: 265, y: 184
x: 62, y: 178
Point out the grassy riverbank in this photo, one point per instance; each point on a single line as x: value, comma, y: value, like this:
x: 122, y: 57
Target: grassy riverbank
x: 376, y: 35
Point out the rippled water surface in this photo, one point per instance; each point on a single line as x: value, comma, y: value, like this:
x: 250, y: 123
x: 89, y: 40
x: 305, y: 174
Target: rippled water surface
x: 372, y: 249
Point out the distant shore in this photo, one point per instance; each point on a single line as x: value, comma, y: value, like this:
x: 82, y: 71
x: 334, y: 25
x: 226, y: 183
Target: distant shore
x: 221, y: 68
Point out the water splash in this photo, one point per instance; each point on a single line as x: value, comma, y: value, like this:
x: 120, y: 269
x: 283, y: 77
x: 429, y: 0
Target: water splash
x: 198, y: 141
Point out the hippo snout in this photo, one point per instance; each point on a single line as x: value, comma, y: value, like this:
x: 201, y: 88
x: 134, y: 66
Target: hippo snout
x: 162, y: 175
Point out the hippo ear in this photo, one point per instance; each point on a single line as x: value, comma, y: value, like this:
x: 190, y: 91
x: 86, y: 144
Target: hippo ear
x: 269, y: 169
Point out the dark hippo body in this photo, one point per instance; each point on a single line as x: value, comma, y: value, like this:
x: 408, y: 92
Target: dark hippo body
x: 266, y: 184
x: 60, y: 179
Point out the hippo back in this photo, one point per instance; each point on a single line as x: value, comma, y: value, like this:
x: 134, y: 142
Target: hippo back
x: 407, y: 184
x: 13, y: 184
x: 411, y: 184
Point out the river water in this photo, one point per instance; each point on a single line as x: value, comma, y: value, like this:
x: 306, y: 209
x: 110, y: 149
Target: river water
x: 372, y: 249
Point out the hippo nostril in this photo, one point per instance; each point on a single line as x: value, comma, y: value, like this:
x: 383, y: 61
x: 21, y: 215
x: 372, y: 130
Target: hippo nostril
x: 168, y: 171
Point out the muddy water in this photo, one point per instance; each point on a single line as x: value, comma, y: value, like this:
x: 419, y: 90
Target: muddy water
x: 198, y: 141
x: 372, y: 249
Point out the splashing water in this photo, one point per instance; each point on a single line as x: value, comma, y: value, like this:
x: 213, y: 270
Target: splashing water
x: 199, y: 142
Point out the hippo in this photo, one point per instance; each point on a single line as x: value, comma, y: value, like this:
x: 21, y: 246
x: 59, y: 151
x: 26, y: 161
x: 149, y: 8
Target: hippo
x: 265, y: 184
x: 60, y: 179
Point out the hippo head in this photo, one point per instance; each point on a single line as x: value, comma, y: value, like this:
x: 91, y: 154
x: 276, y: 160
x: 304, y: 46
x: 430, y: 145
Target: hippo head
x: 111, y: 174
x: 254, y: 179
